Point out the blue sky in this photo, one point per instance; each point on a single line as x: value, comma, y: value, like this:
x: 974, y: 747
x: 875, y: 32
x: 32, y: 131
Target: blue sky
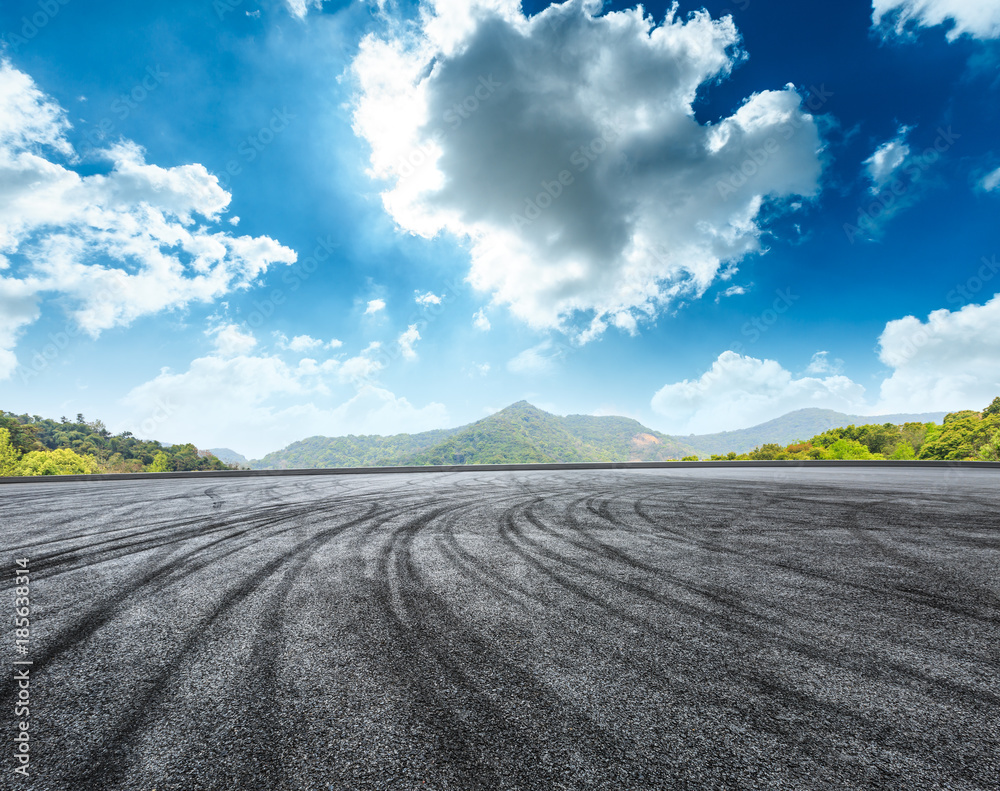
x: 764, y: 206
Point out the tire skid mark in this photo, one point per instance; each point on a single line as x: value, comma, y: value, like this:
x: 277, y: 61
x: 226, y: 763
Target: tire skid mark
x: 126, y: 735
x: 513, y: 744
x: 153, y: 582
x: 883, y: 669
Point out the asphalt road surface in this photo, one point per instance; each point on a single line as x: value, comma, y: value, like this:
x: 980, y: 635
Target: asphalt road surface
x: 655, y: 629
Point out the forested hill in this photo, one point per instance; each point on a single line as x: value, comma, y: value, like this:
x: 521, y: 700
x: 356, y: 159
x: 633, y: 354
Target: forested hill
x: 519, y: 434
x: 33, y: 445
x: 351, y: 451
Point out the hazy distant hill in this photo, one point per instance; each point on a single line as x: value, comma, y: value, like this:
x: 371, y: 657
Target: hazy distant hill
x: 229, y: 456
x: 798, y: 425
x: 524, y: 434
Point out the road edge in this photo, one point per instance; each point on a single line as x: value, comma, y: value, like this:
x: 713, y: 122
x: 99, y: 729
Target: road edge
x: 630, y: 465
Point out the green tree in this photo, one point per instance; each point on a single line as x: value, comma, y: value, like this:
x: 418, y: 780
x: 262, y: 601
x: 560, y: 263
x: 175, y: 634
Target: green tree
x: 991, y: 450
x: 61, y: 461
x: 992, y: 409
x: 161, y: 463
x: 915, y: 434
x: 848, y: 449
x: 23, y: 435
x: 904, y: 452
x: 8, y: 454
x: 960, y: 439
x: 880, y: 439
x: 768, y: 452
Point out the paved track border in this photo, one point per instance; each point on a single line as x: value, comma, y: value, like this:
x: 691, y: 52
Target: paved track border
x: 631, y: 465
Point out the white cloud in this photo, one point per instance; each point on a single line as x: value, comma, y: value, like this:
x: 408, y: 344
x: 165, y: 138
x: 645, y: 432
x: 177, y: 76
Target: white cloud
x: 540, y: 359
x: 480, y: 321
x: 335, y: 344
x: 304, y: 343
x: 732, y: 291
x: 740, y: 391
x: 363, y: 367
x: 822, y: 364
x: 430, y: 298
x: 374, y: 306
x: 888, y: 158
x: 111, y: 247
x: 407, y: 340
x: 299, y: 8
x: 976, y: 18
x: 991, y: 181
x: 652, y: 204
x: 480, y: 369
x: 231, y: 341
x: 950, y: 361
x: 257, y: 404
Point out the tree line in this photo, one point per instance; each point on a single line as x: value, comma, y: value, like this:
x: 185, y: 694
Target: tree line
x: 962, y: 436
x: 33, y: 445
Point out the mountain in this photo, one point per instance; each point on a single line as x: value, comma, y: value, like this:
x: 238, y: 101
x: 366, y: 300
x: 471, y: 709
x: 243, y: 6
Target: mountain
x: 519, y: 434
x: 525, y: 434
x: 229, y: 456
x: 351, y: 451
x: 798, y: 425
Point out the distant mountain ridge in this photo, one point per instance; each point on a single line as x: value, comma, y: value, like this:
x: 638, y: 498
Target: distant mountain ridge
x: 524, y: 434
x: 798, y: 425
x: 229, y: 456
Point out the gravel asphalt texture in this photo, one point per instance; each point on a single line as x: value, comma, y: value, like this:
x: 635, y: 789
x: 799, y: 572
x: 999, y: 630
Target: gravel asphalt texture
x: 654, y: 629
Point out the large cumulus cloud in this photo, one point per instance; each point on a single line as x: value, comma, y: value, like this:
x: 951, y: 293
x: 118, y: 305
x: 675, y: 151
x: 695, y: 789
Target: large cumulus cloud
x: 740, y: 391
x: 564, y: 149
x: 111, y: 247
x: 950, y: 361
x: 976, y: 18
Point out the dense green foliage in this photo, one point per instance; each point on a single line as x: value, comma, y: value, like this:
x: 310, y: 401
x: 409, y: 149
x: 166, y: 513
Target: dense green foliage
x: 962, y: 436
x: 520, y: 434
x: 32, y: 445
x: 351, y: 451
